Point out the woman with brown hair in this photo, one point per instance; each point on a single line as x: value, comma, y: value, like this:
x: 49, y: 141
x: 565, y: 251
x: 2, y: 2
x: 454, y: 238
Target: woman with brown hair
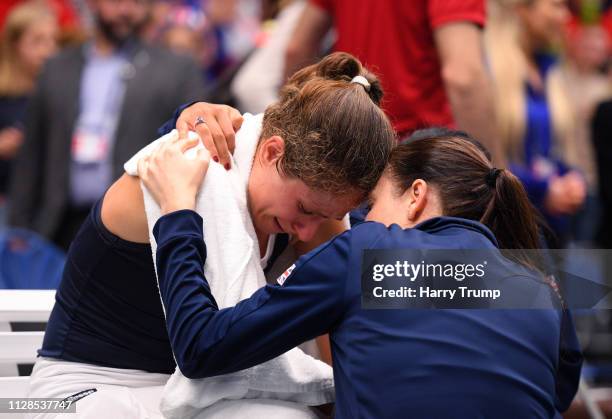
x: 29, y: 37
x: 320, y: 151
x: 439, y: 191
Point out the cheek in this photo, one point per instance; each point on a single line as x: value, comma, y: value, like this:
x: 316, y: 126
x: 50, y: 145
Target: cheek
x: 268, y: 203
x: 34, y: 50
x: 286, y: 213
x: 259, y: 201
x: 28, y: 53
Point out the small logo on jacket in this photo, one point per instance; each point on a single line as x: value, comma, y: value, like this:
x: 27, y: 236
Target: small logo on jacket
x: 281, y: 279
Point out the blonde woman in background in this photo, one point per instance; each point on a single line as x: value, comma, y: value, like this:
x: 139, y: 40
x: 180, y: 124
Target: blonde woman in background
x: 29, y: 37
x: 534, y: 112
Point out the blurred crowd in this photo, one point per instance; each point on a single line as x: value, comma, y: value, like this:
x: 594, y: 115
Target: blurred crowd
x: 84, y: 84
x: 530, y: 78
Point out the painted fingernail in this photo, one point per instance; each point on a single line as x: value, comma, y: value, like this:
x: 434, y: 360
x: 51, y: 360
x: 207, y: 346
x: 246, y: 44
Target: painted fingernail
x: 227, y: 166
x: 215, y: 158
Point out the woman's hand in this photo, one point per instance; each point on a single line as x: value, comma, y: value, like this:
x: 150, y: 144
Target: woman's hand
x: 218, y: 131
x: 173, y: 178
x: 566, y: 194
x: 10, y: 141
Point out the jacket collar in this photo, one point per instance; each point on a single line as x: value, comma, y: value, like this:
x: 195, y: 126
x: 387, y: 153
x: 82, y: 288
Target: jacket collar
x: 442, y: 223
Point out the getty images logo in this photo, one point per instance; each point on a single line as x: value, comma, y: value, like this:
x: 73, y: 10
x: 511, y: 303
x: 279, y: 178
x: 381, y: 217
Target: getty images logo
x: 281, y: 279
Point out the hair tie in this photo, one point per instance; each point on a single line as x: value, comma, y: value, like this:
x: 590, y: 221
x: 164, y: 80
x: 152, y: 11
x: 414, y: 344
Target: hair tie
x: 362, y: 81
x: 491, y: 178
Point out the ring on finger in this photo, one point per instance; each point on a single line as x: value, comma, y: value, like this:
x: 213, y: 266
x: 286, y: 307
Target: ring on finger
x: 199, y: 120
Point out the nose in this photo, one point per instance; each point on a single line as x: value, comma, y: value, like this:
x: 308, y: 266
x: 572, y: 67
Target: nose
x: 306, y: 230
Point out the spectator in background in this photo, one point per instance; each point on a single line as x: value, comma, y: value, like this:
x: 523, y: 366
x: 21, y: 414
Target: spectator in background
x: 219, y: 34
x: 534, y: 112
x: 258, y: 81
x: 182, y: 31
x: 68, y: 13
x: 588, y: 50
x: 231, y: 29
x: 428, y: 54
x: 93, y: 108
x: 29, y: 37
x: 63, y: 9
x: 182, y: 39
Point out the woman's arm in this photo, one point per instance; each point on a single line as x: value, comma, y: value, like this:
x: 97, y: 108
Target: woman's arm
x: 207, y: 341
x: 123, y: 212
x: 204, y: 340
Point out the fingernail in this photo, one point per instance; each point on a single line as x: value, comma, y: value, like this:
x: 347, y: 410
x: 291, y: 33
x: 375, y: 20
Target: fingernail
x: 227, y: 166
x: 215, y: 158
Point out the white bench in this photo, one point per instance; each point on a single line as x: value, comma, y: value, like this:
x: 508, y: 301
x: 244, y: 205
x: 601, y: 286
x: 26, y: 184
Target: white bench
x: 13, y: 388
x: 16, y: 347
x: 26, y: 305
x: 18, y: 306
x: 20, y: 347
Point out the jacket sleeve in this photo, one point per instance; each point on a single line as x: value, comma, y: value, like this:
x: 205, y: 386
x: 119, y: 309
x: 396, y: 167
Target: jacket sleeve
x: 26, y: 184
x: 207, y: 341
x: 170, y: 124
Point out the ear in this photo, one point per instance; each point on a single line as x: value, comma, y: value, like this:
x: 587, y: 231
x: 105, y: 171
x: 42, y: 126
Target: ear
x: 417, y: 196
x: 271, y: 150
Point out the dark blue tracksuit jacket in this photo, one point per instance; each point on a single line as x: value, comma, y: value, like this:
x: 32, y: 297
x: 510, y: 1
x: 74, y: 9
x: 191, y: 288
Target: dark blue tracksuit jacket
x: 387, y: 363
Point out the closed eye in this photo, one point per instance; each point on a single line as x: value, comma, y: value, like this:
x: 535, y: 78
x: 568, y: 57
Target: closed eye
x: 303, y: 210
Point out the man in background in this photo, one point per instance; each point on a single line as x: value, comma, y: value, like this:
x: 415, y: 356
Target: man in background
x: 428, y: 54
x: 94, y: 107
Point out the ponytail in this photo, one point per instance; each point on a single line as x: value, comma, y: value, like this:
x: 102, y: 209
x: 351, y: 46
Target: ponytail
x: 469, y: 186
x: 510, y: 215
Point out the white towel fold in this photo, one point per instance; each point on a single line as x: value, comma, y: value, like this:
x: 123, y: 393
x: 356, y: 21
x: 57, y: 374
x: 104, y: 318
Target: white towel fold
x: 233, y: 271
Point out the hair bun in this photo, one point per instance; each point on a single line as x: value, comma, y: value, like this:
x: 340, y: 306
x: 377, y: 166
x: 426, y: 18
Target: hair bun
x: 338, y: 66
x: 344, y: 66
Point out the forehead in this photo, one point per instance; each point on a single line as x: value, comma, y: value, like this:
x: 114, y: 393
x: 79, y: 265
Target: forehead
x: 329, y: 204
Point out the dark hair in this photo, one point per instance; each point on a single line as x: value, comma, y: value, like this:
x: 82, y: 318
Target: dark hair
x: 469, y: 186
x: 337, y: 138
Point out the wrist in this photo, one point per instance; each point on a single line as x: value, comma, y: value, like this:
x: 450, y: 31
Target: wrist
x: 176, y: 205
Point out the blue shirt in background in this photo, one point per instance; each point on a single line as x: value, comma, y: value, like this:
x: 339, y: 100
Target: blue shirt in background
x: 101, y: 98
x: 540, y: 162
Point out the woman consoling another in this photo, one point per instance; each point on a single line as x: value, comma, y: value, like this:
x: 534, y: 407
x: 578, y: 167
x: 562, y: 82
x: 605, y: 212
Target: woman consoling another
x: 439, y: 191
x: 319, y: 152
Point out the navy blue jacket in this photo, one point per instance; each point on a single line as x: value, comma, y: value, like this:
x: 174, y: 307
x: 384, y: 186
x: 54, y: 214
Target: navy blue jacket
x: 387, y: 363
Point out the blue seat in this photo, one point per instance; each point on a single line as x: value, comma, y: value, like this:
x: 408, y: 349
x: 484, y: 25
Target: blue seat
x: 28, y: 261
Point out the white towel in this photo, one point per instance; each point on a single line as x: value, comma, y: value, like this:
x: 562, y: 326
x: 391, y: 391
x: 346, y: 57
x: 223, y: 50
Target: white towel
x: 233, y: 271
